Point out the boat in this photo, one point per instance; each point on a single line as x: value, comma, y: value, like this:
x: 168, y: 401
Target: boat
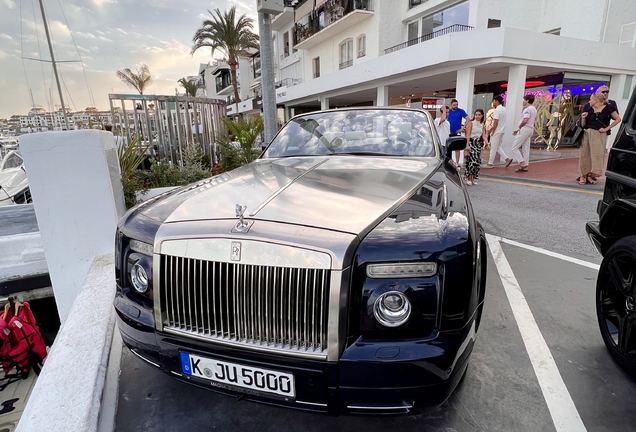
x: 14, y: 185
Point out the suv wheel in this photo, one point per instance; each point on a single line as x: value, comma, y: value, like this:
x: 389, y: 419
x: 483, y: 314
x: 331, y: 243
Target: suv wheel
x: 616, y: 302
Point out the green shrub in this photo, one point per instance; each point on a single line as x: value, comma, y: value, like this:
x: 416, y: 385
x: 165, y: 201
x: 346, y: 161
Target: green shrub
x: 161, y: 174
x: 245, y: 133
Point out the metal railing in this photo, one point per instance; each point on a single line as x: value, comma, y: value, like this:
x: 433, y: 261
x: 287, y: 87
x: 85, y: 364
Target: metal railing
x: 336, y: 13
x: 346, y: 64
x: 171, y: 123
x: 288, y: 82
x: 455, y: 28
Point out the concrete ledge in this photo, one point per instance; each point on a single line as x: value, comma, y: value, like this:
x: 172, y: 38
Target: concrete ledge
x: 68, y: 393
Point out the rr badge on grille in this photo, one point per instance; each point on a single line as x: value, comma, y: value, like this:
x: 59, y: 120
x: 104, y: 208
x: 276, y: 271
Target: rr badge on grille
x: 235, y: 253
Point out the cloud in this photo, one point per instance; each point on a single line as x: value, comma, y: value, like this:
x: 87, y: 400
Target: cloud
x: 10, y: 3
x: 100, y: 3
x: 111, y: 35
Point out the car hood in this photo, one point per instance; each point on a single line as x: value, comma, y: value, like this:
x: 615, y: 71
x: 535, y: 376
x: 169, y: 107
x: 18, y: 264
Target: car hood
x: 341, y: 193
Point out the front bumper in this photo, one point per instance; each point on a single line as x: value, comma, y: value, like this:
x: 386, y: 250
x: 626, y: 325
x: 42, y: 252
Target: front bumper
x: 372, y: 376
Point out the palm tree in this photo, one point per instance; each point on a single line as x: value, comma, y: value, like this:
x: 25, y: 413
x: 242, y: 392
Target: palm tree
x: 190, y: 87
x: 139, y: 79
x: 225, y: 33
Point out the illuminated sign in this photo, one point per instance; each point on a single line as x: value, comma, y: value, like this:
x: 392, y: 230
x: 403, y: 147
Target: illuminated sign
x: 432, y: 104
x: 552, y: 92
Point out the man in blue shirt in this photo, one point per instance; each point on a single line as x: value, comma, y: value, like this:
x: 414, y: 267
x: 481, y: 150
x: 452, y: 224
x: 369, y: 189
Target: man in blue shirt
x: 455, y: 116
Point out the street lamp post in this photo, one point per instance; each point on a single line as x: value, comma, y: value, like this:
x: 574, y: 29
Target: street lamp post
x: 267, y: 76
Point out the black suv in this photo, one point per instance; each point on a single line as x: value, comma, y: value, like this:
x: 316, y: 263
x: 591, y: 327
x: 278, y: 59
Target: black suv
x: 614, y: 235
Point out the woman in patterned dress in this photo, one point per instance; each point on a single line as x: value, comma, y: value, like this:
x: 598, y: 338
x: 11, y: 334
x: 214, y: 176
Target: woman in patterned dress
x: 476, y: 134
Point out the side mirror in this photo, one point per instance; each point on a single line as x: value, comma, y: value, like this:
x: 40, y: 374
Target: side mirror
x: 455, y: 143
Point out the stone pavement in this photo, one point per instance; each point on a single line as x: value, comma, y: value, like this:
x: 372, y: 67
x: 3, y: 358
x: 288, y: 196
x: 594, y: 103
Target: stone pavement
x: 560, y: 166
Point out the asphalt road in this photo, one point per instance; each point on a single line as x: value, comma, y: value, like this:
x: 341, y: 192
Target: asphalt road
x: 507, y: 387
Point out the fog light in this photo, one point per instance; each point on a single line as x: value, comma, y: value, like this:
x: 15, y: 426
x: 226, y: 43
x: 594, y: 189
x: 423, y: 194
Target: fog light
x: 139, y: 278
x: 392, y: 309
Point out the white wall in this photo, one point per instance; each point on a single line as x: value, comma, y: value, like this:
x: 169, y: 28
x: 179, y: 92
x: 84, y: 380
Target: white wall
x: 78, y: 198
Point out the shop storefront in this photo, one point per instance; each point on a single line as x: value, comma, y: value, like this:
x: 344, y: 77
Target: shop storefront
x: 559, y: 99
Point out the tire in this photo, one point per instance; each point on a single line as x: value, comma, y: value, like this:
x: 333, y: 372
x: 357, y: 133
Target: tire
x: 616, y: 302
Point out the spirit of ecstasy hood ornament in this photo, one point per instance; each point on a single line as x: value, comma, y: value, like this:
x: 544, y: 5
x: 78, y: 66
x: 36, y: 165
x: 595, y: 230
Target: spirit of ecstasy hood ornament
x: 241, y: 225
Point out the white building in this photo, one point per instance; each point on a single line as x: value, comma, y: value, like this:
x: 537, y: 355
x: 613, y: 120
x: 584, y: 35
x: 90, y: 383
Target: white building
x: 336, y: 53
x: 218, y: 83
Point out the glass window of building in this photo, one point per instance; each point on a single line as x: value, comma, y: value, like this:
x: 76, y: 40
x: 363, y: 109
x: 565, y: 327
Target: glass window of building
x: 412, y: 31
x: 456, y: 14
x: 362, y: 45
x: 315, y: 64
x: 285, y: 44
x: 346, y: 53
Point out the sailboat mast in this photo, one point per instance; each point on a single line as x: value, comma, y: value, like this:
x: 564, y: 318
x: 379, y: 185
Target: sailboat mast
x: 57, y: 78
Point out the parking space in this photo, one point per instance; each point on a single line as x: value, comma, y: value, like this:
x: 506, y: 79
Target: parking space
x: 503, y: 391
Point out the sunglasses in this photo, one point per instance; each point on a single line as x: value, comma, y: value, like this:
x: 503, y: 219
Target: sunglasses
x: 605, y: 91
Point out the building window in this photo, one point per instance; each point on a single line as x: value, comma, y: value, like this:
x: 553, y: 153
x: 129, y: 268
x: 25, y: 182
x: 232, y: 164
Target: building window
x: 452, y: 16
x: 412, y: 32
x: 362, y: 45
x: 315, y: 63
x: 285, y: 44
x: 346, y: 53
x: 556, y: 31
x: 494, y: 23
x: 628, y: 34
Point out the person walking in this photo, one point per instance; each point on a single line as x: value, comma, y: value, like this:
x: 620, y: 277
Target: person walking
x: 596, y: 124
x: 455, y: 117
x: 476, y: 134
x: 442, y: 127
x: 497, y: 133
x: 521, y: 145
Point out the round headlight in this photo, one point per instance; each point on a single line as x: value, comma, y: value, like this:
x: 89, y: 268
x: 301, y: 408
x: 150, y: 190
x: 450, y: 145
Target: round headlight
x: 392, y: 309
x: 139, y: 278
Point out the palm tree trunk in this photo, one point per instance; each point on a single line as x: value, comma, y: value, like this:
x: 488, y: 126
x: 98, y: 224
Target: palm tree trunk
x: 233, y: 67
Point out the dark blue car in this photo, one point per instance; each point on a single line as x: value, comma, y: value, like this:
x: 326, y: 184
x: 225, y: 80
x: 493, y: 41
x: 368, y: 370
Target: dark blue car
x: 341, y: 272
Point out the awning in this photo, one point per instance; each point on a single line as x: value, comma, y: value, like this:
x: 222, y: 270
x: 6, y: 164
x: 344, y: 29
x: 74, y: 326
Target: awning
x: 304, y: 9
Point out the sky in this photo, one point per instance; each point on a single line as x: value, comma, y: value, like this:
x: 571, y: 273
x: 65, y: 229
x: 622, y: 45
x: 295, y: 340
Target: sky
x: 110, y: 35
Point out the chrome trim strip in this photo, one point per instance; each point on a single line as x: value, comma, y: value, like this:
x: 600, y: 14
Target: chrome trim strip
x: 134, y: 351
x: 281, y: 190
x: 176, y: 373
x: 336, y: 325
x: 156, y: 291
x: 408, y: 406
x: 254, y: 252
x: 236, y: 344
x: 312, y: 403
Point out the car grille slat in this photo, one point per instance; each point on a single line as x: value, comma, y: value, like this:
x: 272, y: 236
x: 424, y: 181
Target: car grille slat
x: 254, y: 305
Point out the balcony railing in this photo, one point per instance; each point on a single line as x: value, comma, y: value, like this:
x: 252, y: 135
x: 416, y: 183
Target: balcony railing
x: 346, y: 64
x: 287, y: 82
x: 335, y: 13
x: 455, y: 28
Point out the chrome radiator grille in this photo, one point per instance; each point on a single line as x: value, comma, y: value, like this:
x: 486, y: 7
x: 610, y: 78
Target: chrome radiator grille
x: 260, y: 306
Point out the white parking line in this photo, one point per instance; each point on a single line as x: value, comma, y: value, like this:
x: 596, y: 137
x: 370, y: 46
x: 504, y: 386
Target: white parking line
x: 564, y: 414
x: 548, y: 253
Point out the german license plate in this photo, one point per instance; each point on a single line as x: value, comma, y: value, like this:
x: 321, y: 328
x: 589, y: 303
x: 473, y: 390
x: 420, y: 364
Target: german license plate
x: 237, y: 376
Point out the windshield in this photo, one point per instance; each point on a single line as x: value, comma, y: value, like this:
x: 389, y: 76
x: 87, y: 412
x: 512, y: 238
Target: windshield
x: 366, y: 131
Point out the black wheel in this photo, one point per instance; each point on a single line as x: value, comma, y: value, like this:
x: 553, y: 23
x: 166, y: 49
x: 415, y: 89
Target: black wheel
x: 616, y: 302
